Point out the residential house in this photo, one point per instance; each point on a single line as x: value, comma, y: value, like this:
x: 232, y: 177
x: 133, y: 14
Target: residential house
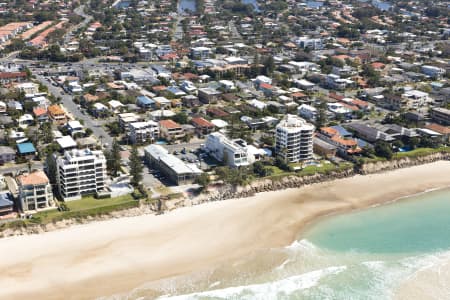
x: 443, y: 130
x: 26, y: 149
x: 345, y: 145
x: 35, y: 191
x: 202, y: 126
x: 145, y: 102
x: 368, y: 133
x: 7, y: 154
x: 171, y: 130
x: 307, y: 111
x: 2, y: 107
x: 7, y: 77
x: 6, y: 203
x: 75, y: 128
x: 125, y: 119
x: 57, y: 114
x: 162, y: 102
x: 433, y: 72
x: 440, y: 115
x: 208, y: 95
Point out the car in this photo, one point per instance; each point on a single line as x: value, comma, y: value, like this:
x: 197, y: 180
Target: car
x: 175, y: 152
x: 183, y: 151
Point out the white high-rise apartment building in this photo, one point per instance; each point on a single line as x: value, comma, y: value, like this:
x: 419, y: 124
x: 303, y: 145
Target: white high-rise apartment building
x: 80, y: 172
x: 294, y: 139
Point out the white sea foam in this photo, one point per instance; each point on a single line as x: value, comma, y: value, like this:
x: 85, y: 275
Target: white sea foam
x: 281, y: 267
x: 301, y: 245
x: 269, y: 290
x: 214, y: 284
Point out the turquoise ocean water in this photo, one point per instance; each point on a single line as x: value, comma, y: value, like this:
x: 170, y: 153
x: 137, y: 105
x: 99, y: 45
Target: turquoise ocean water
x: 359, y: 255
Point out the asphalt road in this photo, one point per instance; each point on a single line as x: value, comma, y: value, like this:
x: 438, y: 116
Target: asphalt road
x: 98, y: 131
x: 35, y: 165
x: 87, y: 18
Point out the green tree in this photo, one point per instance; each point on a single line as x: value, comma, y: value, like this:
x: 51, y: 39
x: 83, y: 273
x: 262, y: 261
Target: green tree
x: 383, y: 149
x: 47, y: 133
x: 181, y: 118
x: 203, y: 179
x: 51, y: 168
x: 321, y: 118
x: 135, y: 167
x: 269, y: 65
x: 113, y: 158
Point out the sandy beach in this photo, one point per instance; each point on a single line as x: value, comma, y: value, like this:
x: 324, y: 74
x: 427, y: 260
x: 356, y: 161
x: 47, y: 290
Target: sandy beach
x: 116, y: 256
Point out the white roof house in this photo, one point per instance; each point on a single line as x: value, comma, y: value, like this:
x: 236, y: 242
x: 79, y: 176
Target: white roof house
x: 66, y: 142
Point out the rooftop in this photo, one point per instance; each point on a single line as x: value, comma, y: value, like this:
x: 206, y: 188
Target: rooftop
x: 26, y: 148
x: 35, y: 178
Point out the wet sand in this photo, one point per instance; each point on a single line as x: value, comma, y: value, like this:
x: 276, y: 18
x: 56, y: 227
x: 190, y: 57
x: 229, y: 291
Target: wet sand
x: 116, y: 256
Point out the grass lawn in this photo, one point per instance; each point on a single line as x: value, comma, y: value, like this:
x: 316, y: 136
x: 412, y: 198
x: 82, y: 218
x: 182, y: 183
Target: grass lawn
x: 421, y: 152
x: 87, y: 206
x: 323, y: 168
x: 90, y: 202
x: 309, y: 170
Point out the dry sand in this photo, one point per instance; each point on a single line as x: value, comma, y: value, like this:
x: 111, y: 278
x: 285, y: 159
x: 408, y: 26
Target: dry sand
x: 115, y: 256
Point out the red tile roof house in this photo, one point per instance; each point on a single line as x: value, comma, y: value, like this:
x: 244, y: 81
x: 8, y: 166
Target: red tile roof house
x: 7, y: 77
x: 202, y: 126
x: 266, y: 88
x: 40, y: 114
x: 171, y: 130
x: 378, y: 65
x: 331, y: 135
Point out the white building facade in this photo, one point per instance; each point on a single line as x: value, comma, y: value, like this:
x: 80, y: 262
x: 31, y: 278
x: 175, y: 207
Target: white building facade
x: 142, y: 132
x: 234, y: 153
x: 35, y: 191
x: 294, y: 139
x: 81, y: 172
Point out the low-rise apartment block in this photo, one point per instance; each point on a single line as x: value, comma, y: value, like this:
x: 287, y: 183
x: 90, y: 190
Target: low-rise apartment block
x: 171, y: 130
x: 142, y: 132
x: 441, y: 115
x: 35, y: 191
x: 233, y: 153
x: 170, y: 166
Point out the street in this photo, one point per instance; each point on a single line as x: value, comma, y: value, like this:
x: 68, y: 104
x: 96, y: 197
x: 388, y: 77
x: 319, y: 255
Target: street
x: 14, y: 169
x: 98, y: 131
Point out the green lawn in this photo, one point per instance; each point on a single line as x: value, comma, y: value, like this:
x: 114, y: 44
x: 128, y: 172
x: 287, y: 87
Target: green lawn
x: 323, y: 168
x: 309, y: 170
x: 421, y: 152
x: 90, y: 202
x: 87, y: 206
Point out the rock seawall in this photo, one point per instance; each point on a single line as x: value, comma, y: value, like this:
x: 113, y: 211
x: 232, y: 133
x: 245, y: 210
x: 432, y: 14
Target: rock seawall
x: 231, y: 192
x: 265, y: 185
x: 382, y: 166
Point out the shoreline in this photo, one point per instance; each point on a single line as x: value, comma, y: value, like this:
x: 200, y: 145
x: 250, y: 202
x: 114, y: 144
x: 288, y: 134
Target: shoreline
x: 118, y: 255
x: 336, y: 212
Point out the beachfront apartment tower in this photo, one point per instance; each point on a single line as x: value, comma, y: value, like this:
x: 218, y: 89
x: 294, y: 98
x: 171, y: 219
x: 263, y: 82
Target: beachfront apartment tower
x: 35, y: 191
x: 294, y: 139
x: 80, y: 172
